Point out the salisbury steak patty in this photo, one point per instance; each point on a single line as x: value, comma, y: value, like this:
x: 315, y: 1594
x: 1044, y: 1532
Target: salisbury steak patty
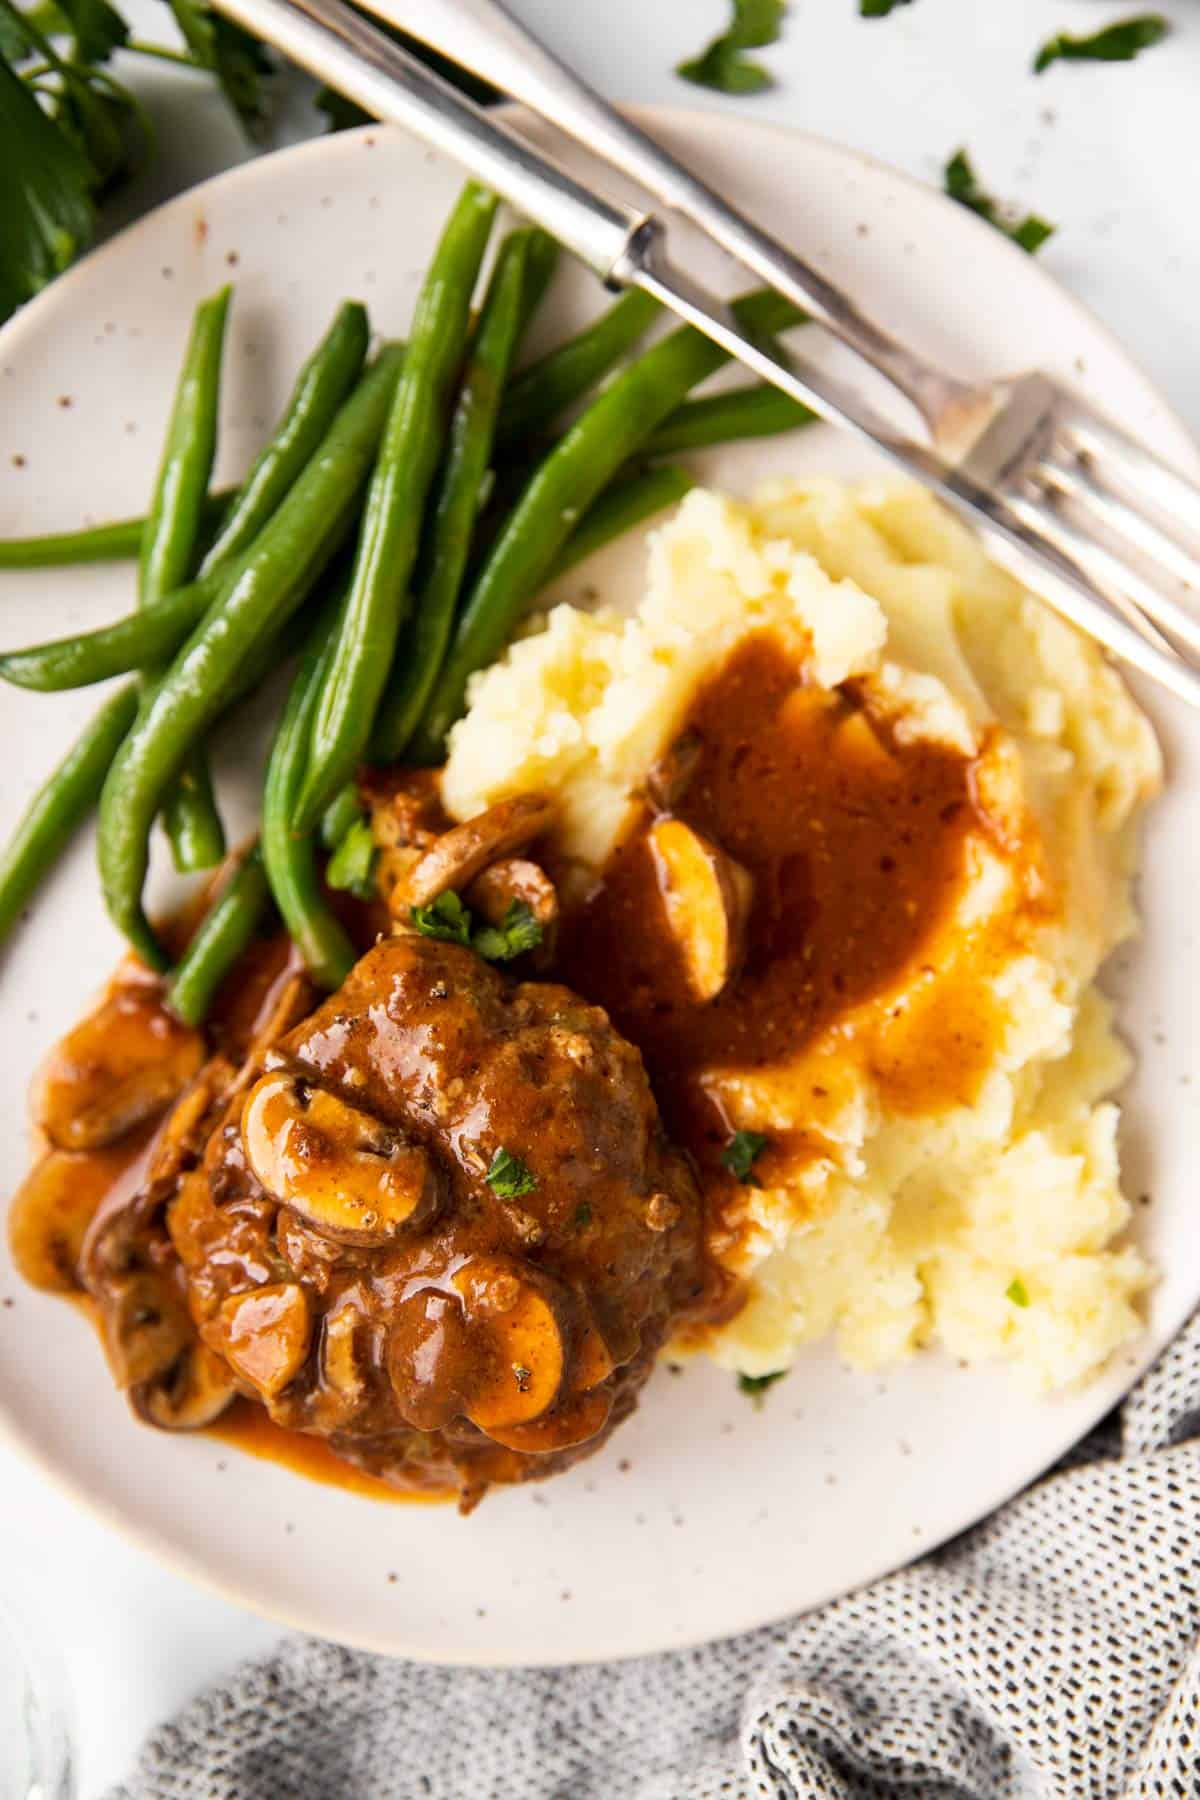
x: 443, y: 1229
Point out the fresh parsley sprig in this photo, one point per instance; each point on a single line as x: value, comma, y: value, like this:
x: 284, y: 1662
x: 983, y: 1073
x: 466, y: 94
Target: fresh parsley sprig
x: 509, y: 1177
x: 724, y: 64
x: 741, y: 1153
x: 755, y: 1386
x: 1119, y: 42
x: 448, y: 919
x: 962, y: 185
x: 70, y: 131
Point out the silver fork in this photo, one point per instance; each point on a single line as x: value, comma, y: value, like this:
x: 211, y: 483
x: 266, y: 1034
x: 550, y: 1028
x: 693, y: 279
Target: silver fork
x: 1105, y: 531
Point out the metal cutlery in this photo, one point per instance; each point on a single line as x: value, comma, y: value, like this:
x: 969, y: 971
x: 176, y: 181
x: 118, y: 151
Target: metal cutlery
x: 1104, y: 530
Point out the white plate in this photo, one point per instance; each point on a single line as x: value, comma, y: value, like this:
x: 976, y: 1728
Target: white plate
x: 704, y: 1516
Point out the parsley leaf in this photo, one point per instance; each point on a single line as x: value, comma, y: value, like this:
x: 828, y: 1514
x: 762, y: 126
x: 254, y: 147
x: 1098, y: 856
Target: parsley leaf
x: 722, y: 65
x: 97, y: 28
x: 517, y: 932
x: 1017, y: 1292
x: 879, y: 9
x: 446, y: 918
x: 1119, y: 42
x: 352, y: 865
x: 741, y: 1153
x: 755, y: 1386
x: 46, y: 215
x: 962, y: 185
x: 14, y: 38
x: 238, y: 60
x: 583, y: 1216
x: 509, y: 1177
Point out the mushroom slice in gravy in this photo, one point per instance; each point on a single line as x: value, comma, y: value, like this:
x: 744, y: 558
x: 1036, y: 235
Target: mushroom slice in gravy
x: 341, y: 1169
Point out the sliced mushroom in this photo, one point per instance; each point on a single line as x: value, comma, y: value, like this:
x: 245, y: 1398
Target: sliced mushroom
x: 145, y: 1326
x: 517, y: 881
x: 190, y: 1395
x: 180, y: 1140
x: 265, y: 1335
x: 53, y: 1209
x: 593, y: 1362
x: 518, y: 1370
x: 463, y: 853
x: 119, y: 1068
x: 574, y: 1422
x: 350, y: 1176
x: 671, y: 776
x: 707, y: 898
x: 341, y: 1363
x: 121, y: 1225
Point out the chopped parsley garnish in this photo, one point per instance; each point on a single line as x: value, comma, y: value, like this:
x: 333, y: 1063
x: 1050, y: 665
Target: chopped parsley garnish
x: 755, y: 1386
x: 447, y: 918
x: 961, y: 184
x: 1017, y: 1292
x: 523, y: 1376
x: 352, y: 865
x: 879, y: 9
x: 1119, y: 42
x: 516, y: 933
x: 509, y: 1177
x: 741, y: 1153
x: 723, y: 65
x: 583, y: 1215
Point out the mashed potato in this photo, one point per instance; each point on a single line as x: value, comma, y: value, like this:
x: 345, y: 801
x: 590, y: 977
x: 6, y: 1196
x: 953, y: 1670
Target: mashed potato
x: 992, y: 1227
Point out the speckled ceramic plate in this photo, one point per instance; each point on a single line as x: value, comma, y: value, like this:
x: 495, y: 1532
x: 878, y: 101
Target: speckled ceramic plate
x: 704, y: 1516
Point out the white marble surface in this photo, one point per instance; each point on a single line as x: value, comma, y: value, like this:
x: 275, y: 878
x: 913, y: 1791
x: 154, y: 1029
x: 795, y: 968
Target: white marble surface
x: 1108, y: 153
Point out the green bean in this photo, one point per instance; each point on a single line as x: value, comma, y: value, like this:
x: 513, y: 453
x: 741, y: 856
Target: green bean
x: 116, y: 541
x: 343, y: 811
x: 61, y: 804
x: 423, y: 645
x: 389, y: 536
x: 619, y: 509
x: 289, y: 856
x: 225, y: 931
x: 322, y: 385
x: 352, y: 865
x: 173, y: 526
x: 137, y: 641
x: 745, y: 412
x: 541, y: 261
x: 169, y: 554
x: 544, y: 390
x: 190, y: 817
x: 154, y: 633
x: 255, y: 600
x: 574, y: 474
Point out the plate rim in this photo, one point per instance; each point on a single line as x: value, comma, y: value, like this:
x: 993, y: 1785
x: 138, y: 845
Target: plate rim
x: 37, y: 315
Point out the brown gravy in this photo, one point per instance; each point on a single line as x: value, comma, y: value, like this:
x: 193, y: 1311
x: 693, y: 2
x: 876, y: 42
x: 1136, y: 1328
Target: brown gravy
x: 248, y: 1427
x: 48, y: 1219
x: 855, y: 843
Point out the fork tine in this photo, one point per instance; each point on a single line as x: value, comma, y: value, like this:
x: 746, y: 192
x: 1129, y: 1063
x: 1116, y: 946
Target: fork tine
x: 1105, y: 565
x: 1116, y: 578
x: 1082, y: 481
x: 1134, y: 466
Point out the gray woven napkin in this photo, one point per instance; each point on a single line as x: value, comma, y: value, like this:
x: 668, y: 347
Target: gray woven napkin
x: 1049, y: 1654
